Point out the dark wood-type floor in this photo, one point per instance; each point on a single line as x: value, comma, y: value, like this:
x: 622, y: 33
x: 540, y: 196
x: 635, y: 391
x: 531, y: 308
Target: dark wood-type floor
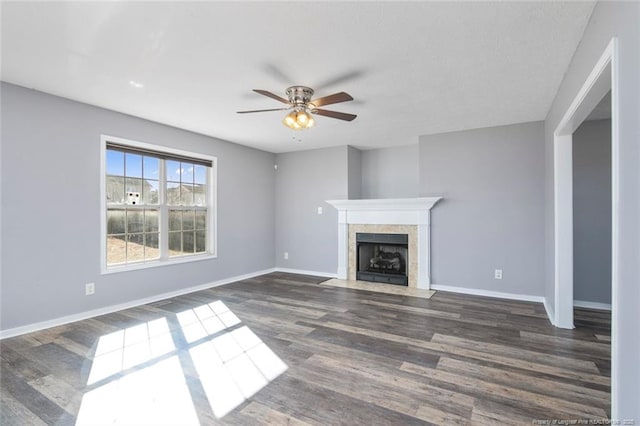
x: 282, y: 349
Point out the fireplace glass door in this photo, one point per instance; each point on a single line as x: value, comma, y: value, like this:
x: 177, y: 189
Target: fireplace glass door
x: 382, y: 258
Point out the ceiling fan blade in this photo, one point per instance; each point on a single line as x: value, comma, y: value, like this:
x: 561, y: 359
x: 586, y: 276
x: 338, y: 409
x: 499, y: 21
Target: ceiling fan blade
x: 261, y: 110
x: 332, y: 99
x: 271, y: 95
x: 334, y: 114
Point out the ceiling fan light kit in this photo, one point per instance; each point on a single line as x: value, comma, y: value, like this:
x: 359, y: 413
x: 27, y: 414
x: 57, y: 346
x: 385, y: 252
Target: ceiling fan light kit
x: 299, y: 120
x: 302, y: 106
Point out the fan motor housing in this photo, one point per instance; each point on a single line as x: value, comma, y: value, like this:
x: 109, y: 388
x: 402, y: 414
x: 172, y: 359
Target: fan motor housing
x: 299, y: 94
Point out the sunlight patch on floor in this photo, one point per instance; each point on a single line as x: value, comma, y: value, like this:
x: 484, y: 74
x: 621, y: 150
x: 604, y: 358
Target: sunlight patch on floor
x: 155, y: 395
x: 234, y: 366
x: 138, y: 372
x: 127, y: 348
x: 206, y: 320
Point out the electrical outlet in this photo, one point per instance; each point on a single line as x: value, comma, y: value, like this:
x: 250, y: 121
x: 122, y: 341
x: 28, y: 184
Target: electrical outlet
x: 286, y: 255
x: 89, y: 289
x: 498, y: 274
x: 319, y: 210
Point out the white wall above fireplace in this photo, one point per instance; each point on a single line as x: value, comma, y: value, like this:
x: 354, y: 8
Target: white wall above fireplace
x: 391, y: 211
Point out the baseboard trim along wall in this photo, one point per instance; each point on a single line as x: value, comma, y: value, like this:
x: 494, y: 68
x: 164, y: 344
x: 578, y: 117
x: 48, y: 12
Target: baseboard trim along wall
x: 29, y: 328
x: 592, y: 305
x: 550, y: 313
x: 489, y: 293
x: 305, y: 272
x: 499, y: 295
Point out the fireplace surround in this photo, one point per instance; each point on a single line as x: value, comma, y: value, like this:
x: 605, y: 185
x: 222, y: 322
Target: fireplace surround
x: 410, y: 216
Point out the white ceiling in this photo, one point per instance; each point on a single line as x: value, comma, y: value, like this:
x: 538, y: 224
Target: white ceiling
x: 413, y: 68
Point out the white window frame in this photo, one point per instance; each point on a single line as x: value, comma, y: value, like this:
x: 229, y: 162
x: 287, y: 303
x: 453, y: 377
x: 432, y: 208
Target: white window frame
x: 212, y: 209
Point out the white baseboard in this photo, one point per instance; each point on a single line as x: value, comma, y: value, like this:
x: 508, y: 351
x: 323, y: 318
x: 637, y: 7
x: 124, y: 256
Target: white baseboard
x: 489, y: 293
x: 592, y: 305
x: 550, y: 313
x: 305, y: 272
x: 29, y: 328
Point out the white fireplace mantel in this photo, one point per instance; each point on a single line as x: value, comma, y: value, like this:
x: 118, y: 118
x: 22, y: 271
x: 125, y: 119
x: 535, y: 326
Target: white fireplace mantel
x: 390, y: 211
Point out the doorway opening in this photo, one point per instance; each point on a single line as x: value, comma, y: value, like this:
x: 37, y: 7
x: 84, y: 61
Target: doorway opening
x: 602, y: 80
x: 592, y: 212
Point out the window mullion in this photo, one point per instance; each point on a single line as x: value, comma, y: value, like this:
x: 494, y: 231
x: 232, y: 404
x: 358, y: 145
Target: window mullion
x: 164, y: 211
x: 209, y: 201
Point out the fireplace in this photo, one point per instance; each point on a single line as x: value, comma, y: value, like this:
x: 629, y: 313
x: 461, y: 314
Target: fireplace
x: 409, y: 216
x: 382, y: 258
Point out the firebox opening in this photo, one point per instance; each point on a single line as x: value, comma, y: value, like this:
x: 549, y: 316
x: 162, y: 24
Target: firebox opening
x: 382, y: 258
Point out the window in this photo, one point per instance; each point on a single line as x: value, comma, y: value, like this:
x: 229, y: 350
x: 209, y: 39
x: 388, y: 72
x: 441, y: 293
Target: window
x: 158, y: 205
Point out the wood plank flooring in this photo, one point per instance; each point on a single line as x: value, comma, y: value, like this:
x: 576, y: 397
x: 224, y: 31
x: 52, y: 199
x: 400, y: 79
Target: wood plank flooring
x: 281, y: 349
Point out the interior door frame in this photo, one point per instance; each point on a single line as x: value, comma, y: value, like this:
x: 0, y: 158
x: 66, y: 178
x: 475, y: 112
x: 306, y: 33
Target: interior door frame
x: 603, y: 77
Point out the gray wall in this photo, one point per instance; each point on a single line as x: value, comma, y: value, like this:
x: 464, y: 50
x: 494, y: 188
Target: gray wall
x: 304, y: 181
x: 51, y: 209
x: 609, y: 19
x: 592, y: 212
x: 492, y: 181
x: 390, y: 172
x: 355, y: 173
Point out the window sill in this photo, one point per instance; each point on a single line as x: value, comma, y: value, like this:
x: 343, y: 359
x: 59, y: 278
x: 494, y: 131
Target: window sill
x: 155, y: 264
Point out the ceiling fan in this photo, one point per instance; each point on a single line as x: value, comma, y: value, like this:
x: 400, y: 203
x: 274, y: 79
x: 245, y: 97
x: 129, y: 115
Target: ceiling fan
x: 302, y: 106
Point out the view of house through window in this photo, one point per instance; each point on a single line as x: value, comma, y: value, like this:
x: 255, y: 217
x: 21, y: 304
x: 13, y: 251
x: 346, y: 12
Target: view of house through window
x: 157, y: 205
